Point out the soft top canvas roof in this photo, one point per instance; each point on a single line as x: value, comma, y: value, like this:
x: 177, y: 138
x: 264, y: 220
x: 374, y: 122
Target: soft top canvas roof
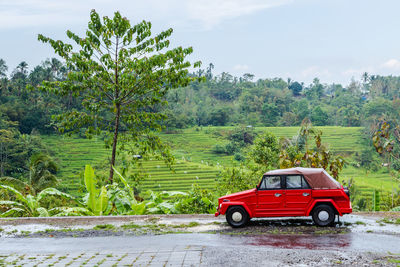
x: 317, y: 178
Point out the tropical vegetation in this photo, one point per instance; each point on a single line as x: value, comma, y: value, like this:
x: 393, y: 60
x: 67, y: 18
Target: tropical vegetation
x: 110, y: 199
x: 166, y: 138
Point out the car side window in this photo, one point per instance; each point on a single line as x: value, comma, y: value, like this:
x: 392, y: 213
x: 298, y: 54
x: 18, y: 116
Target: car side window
x: 296, y: 182
x: 271, y: 182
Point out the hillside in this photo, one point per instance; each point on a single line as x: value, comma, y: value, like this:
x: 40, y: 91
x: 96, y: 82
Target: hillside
x: 195, y: 161
x: 73, y: 153
x: 196, y: 144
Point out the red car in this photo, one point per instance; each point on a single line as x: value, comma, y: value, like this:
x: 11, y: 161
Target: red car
x: 288, y: 193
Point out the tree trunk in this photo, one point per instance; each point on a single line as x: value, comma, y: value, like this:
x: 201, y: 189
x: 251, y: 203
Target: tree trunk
x: 117, y: 114
x: 3, y: 158
x: 114, y: 148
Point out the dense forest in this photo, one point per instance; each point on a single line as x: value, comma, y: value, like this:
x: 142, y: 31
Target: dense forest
x: 218, y: 100
x: 27, y: 112
x: 227, y: 100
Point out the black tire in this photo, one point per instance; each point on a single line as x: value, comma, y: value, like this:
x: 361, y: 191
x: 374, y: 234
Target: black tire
x: 237, y: 216
x: 323, y: 215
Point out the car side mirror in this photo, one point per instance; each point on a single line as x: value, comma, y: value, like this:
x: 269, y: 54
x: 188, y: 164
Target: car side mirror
x: 256, y: 187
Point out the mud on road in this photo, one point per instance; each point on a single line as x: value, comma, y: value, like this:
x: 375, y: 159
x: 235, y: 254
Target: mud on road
x: 200, y: 240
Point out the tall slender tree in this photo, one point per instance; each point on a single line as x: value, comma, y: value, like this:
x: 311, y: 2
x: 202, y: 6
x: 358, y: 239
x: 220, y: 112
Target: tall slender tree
x: 3, y: 68
x: 121, y: 72
x: 3, y: 75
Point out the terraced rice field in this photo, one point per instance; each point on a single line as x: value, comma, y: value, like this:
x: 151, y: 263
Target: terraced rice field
x: 367, y: 182
x: 197, y: 143
x: 339, y: 139
x: 185, y: 174
x: 195, y: 162
x: 74, y: 153
x: 197, y: 146
x: 344, y: 140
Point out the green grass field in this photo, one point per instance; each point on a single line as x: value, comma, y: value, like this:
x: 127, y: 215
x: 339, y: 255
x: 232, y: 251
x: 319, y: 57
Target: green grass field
x: 195, y: 162
x: 367, y: 181
x: 74, y: 153
x: 196, y: 144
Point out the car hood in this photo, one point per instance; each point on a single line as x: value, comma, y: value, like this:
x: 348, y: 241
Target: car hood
x: 239, y: 195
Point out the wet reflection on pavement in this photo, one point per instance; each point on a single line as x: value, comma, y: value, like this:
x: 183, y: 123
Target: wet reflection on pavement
x: 302, y: 241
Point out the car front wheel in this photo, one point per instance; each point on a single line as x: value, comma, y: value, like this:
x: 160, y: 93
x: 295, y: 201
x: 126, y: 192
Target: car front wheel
x: 237, y: 216
x: 323, y: 215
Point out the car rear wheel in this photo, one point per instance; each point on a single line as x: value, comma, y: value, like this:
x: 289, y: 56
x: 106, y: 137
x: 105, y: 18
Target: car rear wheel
x: 237, y: 216
x: 323, y: 215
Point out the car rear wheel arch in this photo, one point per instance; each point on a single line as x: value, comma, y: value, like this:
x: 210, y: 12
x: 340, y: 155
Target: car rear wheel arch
x: 323, y: 214
x: 325, y: 203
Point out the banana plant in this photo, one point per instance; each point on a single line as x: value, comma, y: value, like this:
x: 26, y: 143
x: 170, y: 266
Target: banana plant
x: 135, y: 207
x: 197, y: 201
x: 29, y: 205
x: 163, y: 202
x: 96, y: 199
x: 158, y: 202
x: 18, y: 184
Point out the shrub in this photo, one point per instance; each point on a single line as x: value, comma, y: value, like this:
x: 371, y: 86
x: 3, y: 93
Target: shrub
x: 197, y: 201
x: 239, y: 157
x: 219, y: 149
x: 237, y: 179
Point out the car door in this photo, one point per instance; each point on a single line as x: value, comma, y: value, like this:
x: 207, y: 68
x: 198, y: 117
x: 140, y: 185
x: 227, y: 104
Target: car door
x: 270, y: 197
x: 297, y: 195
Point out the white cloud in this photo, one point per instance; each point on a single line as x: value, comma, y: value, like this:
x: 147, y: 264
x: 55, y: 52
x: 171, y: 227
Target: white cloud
x: 24, y: 13
x: 212, y: 12
x: 391, y: 64
x: 337, y: 74
x: 352, y: 72
x: 198, y: 14
x: 315, y: 71
x: 240, y: 67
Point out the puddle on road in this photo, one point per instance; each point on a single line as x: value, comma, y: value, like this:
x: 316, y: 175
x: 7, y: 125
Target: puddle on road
x: 351, y: 233
x: 354, y: 232
x: 287, y: 226
x: 350, y: 241
x: 347, y: 223
x: 302, y: 241
x: 362, y: 224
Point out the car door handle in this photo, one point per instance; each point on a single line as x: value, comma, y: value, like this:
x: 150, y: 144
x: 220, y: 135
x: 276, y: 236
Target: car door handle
x: 278, y: 195
x: 306, y: 194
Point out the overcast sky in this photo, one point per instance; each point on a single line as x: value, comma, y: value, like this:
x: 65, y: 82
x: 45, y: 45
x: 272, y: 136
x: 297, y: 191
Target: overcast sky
x: 334, y: 40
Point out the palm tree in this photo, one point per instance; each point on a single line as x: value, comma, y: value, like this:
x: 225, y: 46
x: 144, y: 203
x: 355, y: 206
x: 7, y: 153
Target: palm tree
x: 365, y: 77
x: 3, y: 76
x: 42, y: 172
x: 3, y: 68
x: 289, y: 82
x: 305, y: 130
x: 22, y: 67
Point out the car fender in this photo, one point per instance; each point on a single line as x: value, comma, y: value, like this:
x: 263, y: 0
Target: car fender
x: 317, y: 201
x: 226, y: 205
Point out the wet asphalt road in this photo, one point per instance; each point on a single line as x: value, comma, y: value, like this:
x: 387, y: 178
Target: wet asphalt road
x: 203, y: 250
x: 359, y: 242
x: 359, y: 247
